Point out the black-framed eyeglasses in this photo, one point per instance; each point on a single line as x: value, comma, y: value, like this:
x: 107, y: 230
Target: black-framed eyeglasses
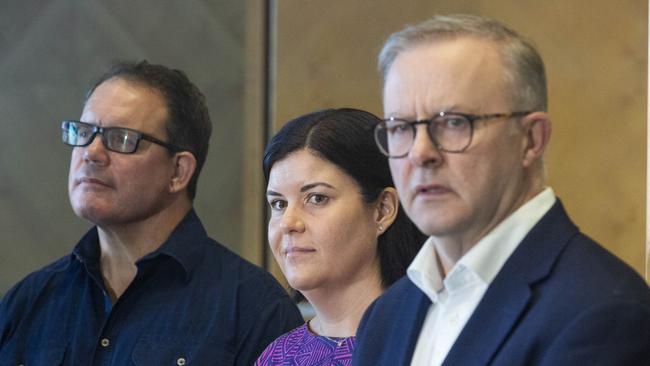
x: 118, y: 139
x: 449, y: 131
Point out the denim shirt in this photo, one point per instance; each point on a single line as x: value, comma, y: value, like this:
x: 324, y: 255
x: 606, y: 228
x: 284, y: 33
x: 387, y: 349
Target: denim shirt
x: 192, y: 302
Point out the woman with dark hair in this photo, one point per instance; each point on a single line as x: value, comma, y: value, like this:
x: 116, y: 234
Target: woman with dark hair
x: 336, y: 229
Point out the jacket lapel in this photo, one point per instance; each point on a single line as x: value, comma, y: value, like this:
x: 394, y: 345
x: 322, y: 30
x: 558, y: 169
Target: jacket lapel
x: 416, y: 304
x: 490, y: 324
x: 506, y: 299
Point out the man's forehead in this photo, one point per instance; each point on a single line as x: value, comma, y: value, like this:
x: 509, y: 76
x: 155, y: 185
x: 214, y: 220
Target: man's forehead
x: 464, y: 52
x: 452, y: 74
x: 121, y: 87
x: 122, y: 102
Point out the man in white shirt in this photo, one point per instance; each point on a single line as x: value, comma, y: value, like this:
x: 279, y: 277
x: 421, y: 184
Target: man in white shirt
x: 505, y: 278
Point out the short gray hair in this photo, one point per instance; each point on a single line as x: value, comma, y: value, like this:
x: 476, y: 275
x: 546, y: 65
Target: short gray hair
x: 526, y: 72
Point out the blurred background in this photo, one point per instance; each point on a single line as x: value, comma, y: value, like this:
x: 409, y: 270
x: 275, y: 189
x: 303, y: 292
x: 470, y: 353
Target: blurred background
x: 263, y: 62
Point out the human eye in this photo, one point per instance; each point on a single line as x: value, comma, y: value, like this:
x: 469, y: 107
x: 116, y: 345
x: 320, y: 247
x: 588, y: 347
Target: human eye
x: 317, y: 199
x: 83, y: 131
x: 115, y: 137
x: 453, y: 122
x: 121, y: 139
x: 277, y: 204
x: 398, y: 127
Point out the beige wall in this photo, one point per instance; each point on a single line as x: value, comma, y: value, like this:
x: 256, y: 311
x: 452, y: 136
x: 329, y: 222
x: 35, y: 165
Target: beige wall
x: 595, y: 53
x: 647, y: 225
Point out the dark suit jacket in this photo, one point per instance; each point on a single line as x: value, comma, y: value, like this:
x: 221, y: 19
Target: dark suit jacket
x: 560, y: 299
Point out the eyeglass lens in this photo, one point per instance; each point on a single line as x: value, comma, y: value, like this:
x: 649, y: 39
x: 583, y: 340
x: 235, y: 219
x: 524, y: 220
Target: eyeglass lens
x: 115, y: 139
x: 450, y: 133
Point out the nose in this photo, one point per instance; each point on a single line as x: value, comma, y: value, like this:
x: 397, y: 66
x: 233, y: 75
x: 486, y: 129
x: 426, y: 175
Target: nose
x: 424, y: 152
x: 95, y: 152
x: 291, y: 221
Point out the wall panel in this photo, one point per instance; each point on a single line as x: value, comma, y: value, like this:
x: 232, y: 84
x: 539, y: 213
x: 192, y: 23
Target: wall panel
x: 49, y: 54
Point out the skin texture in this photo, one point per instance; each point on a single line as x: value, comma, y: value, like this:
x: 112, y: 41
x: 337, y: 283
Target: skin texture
x: 324, y: 237
x: 459, y: 197
x: 320, y: 231
x: 104, y: 186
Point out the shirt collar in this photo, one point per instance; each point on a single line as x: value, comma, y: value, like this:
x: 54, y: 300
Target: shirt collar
x: 87, y: 249
x: 182, y: 246
x: 425, y: 271
x: 486, y: 258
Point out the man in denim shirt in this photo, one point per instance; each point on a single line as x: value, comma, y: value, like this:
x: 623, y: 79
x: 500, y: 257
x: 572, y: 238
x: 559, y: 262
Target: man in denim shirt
x: 146, y: 285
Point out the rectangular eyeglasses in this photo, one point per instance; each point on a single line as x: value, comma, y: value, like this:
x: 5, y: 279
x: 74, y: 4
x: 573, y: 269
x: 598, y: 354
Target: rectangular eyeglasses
x: 118, y: 139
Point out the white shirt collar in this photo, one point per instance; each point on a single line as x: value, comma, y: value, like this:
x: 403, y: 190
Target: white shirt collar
x: 486, y: 258
x: 424, y: 271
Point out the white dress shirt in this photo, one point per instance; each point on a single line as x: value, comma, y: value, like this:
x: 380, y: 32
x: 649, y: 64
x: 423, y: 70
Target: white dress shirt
x: 455, y: 297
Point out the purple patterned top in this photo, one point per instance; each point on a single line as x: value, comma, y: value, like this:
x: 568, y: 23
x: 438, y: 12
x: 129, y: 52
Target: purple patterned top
x: 301, y: 347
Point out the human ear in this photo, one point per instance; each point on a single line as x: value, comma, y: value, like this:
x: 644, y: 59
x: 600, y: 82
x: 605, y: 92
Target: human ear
x: 184, y: 166
x: 537, y: 133
x: 386, y: 210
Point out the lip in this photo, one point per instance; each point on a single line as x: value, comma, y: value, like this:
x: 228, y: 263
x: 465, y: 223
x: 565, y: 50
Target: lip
x: 431, y: 190
x: 91, y: 181
x: 293, y: 251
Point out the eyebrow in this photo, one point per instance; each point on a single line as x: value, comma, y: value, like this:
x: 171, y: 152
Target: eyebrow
x: 309, y: 186
x: 304, y: 188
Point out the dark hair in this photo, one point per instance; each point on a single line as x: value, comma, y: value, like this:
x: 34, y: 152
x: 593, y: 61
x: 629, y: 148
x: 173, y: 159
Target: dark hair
x: 188, y: 124
x: 344, y: 137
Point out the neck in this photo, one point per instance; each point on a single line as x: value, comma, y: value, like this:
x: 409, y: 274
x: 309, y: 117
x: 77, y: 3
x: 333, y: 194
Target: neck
x: 339, y: 310
x: 123, y: 245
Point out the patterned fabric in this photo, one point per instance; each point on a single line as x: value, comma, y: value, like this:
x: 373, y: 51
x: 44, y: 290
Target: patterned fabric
x: 300, y: 347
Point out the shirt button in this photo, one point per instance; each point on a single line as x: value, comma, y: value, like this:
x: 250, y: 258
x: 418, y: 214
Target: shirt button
x: 181, y: 361
x: 105, y: 342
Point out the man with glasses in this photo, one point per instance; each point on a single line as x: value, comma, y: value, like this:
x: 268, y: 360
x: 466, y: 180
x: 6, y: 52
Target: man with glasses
x: 146, y: 285
x: 505, y: 277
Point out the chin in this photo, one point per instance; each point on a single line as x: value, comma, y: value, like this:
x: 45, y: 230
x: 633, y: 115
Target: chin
x: 436, y: 221
x: 427, y: 224
x: 92, y: 217
x: 95, y: 214
x: 301, y: 283
x: 437, y: 228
